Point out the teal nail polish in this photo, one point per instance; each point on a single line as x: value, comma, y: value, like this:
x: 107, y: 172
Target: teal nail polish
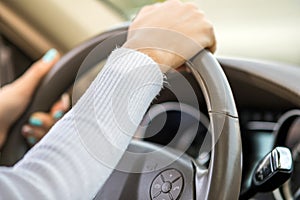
x: 50, y: 55
x: 31, y: 140
x: 35, y: 122
x: 58, y: 114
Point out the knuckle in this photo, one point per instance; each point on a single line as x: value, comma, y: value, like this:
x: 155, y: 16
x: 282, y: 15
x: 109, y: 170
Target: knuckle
x: 145, y: 9
x: 198, y: 15
x: 191, y: 5
x: 210, y: 26
x: 201, y: 13
x: 173, y: 3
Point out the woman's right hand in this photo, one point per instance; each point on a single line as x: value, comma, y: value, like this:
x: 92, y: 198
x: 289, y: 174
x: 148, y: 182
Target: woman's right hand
x: 170, y: 33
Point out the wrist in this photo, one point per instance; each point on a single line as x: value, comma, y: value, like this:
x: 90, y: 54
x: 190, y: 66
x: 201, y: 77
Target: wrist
x: 158, y: 57
x: 166, y: 60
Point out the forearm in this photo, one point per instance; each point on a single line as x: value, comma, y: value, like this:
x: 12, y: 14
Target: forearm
x: 79, y: 153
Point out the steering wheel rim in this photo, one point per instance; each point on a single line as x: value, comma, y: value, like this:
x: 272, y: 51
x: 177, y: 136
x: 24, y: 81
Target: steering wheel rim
x: 225, y: 169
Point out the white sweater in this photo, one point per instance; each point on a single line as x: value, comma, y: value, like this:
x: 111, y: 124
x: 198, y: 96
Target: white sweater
x: 79, y: 153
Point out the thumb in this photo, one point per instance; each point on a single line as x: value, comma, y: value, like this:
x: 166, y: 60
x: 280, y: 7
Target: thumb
x: 17, y: 95
x: 37, y: 71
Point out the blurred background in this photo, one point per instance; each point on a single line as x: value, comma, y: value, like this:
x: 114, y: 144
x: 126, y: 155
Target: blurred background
x: 266, y: 29
x: 260, y: 29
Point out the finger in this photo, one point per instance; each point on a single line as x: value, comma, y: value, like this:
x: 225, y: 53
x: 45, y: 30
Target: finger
x: 33, y: 134
x: 30, y: 79
x: 171, y: 3
x: 42, y: 66
x: 61, y: 106
x: 19, y: 93
x: 213, y: 46
x: 212, y: 42
x: 32, y: 131
x: 191, y: 5
x: 40, y: 119
x: 147, y: 9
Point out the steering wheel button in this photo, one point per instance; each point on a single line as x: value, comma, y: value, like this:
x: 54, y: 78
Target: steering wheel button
x: 163, y: 196
x: 171, y: 175
x: 166, y: 187
x: 177, y: 187
x: 156, y: 187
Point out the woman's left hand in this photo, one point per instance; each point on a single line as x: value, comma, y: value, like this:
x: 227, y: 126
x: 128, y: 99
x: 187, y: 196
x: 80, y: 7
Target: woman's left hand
x: 15, y: 96
x: 40, y: 123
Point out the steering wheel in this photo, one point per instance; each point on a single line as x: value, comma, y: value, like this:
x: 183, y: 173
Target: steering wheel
x: 221, y: 180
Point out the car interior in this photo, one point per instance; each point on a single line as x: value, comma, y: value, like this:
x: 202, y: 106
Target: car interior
x: 225, y: 126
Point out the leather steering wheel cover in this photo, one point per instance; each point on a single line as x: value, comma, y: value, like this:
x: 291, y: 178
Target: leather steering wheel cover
x: 225, y: 170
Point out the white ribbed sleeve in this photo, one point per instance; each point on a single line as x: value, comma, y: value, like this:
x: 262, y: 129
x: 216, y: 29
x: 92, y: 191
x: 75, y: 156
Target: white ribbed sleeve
x: 79, y: 153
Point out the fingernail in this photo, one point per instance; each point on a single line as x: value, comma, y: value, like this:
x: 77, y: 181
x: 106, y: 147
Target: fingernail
x: 58, y: 114
x: 50, y: 55
x: 31, y: 140
x: 35, y: 121
x: 27, y: 130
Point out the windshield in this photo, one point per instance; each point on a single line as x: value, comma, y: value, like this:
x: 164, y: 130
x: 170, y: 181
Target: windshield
x: 268, y: 29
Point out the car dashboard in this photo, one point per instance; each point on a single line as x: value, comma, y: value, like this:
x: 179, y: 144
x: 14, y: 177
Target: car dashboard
x: 264, y: 93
